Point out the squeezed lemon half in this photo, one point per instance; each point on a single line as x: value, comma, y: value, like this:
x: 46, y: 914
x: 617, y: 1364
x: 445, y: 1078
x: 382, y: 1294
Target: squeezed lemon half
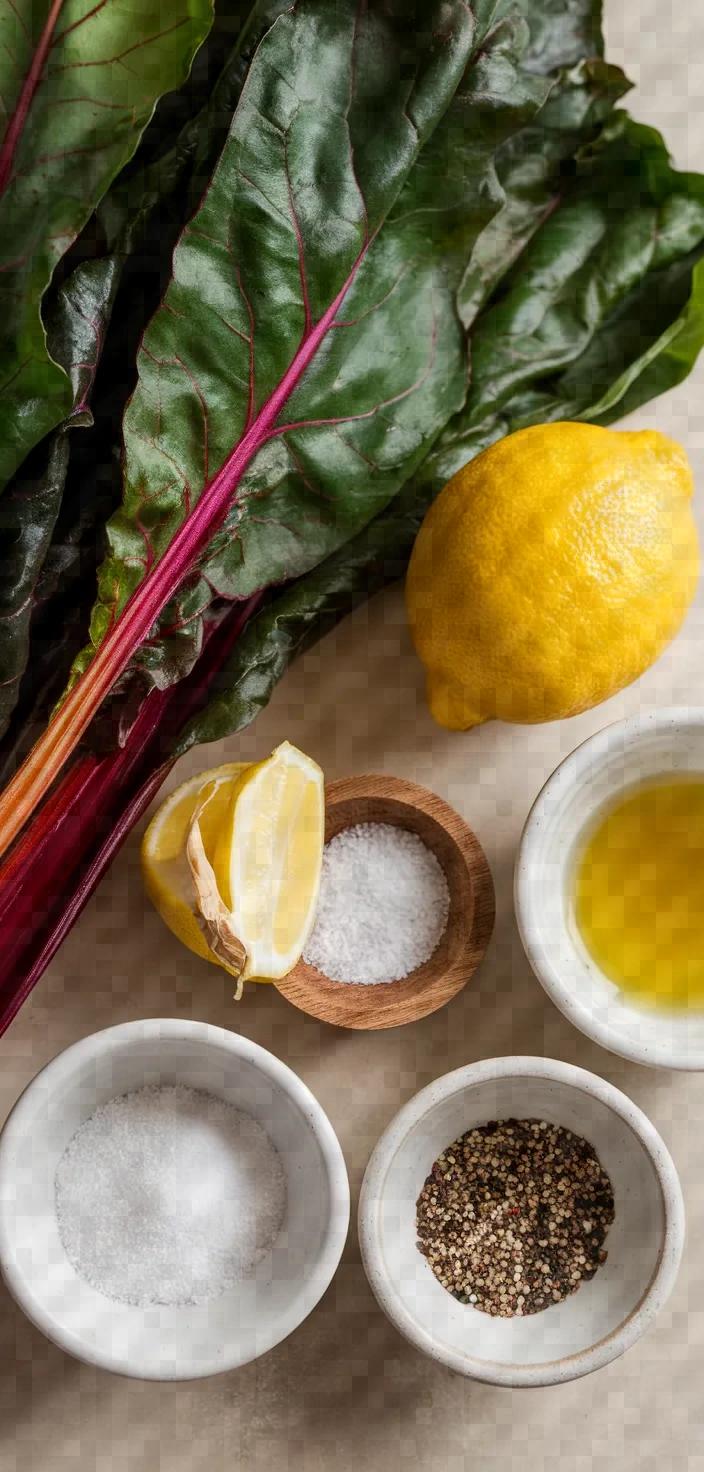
x: 232, y: 862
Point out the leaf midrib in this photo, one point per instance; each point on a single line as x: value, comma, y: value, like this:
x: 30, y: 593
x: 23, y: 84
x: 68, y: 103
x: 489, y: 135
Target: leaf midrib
x: 32, y: 80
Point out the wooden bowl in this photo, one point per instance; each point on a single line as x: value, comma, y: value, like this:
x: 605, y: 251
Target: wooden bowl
x: 371, y: 799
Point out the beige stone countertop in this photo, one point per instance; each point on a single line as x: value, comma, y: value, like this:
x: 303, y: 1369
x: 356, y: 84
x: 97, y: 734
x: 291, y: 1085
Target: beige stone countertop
x: 345, y: 1393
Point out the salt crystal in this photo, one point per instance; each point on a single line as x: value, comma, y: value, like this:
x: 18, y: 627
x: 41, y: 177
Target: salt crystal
x: 168, y: 1195
x: 383, y: 905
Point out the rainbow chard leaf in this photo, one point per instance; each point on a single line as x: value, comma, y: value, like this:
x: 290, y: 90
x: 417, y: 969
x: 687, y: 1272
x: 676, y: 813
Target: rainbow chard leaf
x: 301, y: 499
x: 308, y: 350
x: 78, y: 84
x: 565, y: 42
x: 144, y: 209
x: 30, y: 506
x: 533, y: 168
x: 603, y: 311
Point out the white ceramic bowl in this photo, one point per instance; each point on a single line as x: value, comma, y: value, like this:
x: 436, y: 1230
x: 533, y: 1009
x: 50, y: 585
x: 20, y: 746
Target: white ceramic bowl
x: 622, y: 755
x: 170, y: 1343
x: 606, y: 1315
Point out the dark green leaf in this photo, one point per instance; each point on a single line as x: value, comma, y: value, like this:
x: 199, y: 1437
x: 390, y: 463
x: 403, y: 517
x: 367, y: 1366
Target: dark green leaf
x: 534, y: 168
x: 605, y: 307
x: 318, y: 159
x: 172, y: 181
x: 28, y: 512
x: 562, y: 33
x: 564, y: 42
x: 30, y: 506
x: 79, y: 83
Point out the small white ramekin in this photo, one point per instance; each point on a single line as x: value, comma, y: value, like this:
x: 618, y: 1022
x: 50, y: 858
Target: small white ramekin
x: 159, y: 1342
x: 644, y: 1244
x: 669, y: 742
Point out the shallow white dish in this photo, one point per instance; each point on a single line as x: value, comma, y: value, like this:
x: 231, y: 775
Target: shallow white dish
x: 606, y: 1315
x: 622, y: 755
x: 170, y: 1343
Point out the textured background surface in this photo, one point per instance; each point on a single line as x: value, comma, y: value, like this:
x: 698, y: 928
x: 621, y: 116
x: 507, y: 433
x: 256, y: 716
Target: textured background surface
x: 345, y: 1392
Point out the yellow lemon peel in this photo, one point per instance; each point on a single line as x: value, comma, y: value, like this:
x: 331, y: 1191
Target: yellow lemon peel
x: 551, y: 571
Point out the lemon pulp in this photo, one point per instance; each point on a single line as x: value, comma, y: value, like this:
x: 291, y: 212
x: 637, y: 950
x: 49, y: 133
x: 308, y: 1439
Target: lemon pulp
x: 268, y: 857
x: 639, y: 893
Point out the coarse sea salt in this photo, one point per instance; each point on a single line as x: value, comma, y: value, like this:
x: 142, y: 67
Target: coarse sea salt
x: 168, y: 1195
x: 383, y: 905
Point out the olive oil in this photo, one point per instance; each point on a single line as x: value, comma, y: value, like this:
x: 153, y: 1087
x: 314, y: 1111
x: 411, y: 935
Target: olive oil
x: 639, y: 893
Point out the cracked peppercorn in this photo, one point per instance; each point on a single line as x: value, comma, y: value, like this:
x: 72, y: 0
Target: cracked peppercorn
x: 513, y: 1216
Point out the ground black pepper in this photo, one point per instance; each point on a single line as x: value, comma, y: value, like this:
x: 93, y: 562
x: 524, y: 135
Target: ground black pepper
x: 514, y: 1215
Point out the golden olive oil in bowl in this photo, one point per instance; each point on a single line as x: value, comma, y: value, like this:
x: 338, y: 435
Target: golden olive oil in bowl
x: 638, y: 892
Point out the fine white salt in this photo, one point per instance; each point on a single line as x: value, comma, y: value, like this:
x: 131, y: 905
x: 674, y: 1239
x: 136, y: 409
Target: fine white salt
x: 383, y: 905
x: 168, y: 1195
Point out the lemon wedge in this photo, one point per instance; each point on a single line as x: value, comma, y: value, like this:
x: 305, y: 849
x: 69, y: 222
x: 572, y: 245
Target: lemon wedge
x: 232, y: 862
x: 268, y: 859
x: 165, y: 867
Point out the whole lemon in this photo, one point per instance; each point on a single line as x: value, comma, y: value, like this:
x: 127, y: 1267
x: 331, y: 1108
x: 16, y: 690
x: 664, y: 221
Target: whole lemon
x: 551, y: 571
